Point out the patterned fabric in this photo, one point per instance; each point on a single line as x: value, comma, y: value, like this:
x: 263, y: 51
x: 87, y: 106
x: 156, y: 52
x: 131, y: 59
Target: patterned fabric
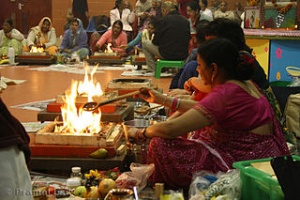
x: 227, y: 140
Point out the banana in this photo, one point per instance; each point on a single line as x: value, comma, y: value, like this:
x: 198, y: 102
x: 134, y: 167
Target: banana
x: 4, y: 61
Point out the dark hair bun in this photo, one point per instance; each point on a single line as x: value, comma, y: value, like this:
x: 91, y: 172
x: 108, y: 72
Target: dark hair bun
x: 245, y: 67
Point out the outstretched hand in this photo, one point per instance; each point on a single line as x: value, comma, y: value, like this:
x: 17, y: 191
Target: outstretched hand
x: 150, y: 95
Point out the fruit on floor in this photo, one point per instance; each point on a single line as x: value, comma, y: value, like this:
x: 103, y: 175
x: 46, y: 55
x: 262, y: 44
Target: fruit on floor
x: 80, y: 191
x: 92, y: 193
x: 106, y: 185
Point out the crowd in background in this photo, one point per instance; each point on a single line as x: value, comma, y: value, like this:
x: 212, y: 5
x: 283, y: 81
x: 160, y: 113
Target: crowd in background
x: 134, y: 19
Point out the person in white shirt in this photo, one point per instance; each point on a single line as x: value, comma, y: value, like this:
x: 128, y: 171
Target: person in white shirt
x: 10, y: 37
x: 120, y: 12
x: 223, y: 12
x: 204, y: 9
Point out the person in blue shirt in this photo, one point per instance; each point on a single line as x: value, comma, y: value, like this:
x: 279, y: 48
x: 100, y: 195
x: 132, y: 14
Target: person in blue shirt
x: 146, y: 34
x: 75, y: 40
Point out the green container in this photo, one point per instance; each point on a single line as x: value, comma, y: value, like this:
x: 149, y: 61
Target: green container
x: 257, y: 184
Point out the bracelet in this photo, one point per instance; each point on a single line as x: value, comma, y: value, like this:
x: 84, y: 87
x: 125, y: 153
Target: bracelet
x: 177, y: 105
x: 174, y: 104
x: 137, y: 136
x: 144, y: 133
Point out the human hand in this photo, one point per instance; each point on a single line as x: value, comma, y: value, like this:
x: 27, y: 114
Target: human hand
x: 197, y: 84
x: 177, y: 92
x: 8, y: 35
x: 131, y: 132
x: 151, y: 95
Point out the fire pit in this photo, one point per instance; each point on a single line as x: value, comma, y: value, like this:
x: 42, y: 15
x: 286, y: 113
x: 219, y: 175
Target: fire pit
x: 79, y: 129
x: 106, y: 57
x: 35, y: 58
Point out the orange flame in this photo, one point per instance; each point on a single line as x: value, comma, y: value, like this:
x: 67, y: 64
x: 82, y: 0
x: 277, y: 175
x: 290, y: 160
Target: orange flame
x: 108, y: 50
x: 76, y: 120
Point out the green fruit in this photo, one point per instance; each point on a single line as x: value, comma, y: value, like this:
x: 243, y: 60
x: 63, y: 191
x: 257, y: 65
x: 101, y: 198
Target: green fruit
x: 80, y: 191
x: 100, y: 153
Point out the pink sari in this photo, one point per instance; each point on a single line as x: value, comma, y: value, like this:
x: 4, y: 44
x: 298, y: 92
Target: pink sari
x: 233, y: 113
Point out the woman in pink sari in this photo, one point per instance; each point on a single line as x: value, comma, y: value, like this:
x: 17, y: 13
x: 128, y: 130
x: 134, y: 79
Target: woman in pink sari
x: 233, y: 122
x: 116, y: 37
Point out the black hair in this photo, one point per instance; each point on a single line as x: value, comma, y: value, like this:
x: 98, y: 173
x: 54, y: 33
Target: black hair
x: 46, y: 20
x: 204, y: 2
x: 194, y: 6
x: 238, y: 65
x: 117, y: 4
x: 201, y: 30
x: 9, y: 21
x: 229, y: 29
x: 119, y: 22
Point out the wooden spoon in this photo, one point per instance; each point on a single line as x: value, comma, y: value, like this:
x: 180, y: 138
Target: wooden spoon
x: 90, y: 106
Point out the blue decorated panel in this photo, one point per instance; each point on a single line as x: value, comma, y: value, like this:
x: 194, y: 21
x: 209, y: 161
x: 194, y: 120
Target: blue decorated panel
x: 284, y: 60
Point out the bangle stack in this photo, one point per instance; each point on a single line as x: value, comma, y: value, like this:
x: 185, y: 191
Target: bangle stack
x: 140, y: 138
x: 175, y: 104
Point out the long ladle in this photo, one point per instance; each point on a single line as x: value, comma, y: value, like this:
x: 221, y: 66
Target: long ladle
x: 90, y: 106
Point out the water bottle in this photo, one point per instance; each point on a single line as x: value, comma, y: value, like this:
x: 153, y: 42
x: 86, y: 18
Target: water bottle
x: 75, y: 179
x: 11, y: 55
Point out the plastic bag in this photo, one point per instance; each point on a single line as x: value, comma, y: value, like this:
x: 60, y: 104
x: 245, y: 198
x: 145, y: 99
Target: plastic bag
x: 200, y: 183
x: 228, y: 186
x: 137, y: 177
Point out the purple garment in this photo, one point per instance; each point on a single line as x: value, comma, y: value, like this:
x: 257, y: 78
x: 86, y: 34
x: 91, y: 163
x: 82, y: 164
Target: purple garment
x: 81, y: 40
x: 233, y: 113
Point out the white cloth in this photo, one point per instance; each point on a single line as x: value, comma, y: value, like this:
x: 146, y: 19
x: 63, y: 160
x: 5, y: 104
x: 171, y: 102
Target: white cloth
x: 15, y: 182
x: 31, y: 38
x: 15, y: 34
x: 207, y: 12
x: 127, y: 18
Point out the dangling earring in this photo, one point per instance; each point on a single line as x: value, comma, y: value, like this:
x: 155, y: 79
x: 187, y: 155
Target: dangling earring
x: 212, y: 78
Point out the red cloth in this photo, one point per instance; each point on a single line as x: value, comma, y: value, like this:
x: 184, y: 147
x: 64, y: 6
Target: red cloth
x: 233, y: 113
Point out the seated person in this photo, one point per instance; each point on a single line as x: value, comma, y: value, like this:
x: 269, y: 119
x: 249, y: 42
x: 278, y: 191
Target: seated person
x: 153, y: 13
x: 10, y: 37
x: 120, y: 12
x: 222, y: 12
x: 116, y: 37
x: 229, y: 29
x: 221, y: 133
x: 75, y: 41
x: 193, y: 11
x: 43, y: 35
x: 146, y: 34
x: 171, y: 37
x: 188, y: 70
x: 15, y: 182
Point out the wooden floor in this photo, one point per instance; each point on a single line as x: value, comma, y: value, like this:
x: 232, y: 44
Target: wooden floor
x: 41, y: 85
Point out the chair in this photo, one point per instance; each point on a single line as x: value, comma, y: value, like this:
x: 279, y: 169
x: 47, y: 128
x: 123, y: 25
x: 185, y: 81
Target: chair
x: 167, y: 63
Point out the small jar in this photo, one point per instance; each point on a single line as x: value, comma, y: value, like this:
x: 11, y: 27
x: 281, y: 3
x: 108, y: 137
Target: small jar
x: 75, y: 178
x: 76, y: 172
